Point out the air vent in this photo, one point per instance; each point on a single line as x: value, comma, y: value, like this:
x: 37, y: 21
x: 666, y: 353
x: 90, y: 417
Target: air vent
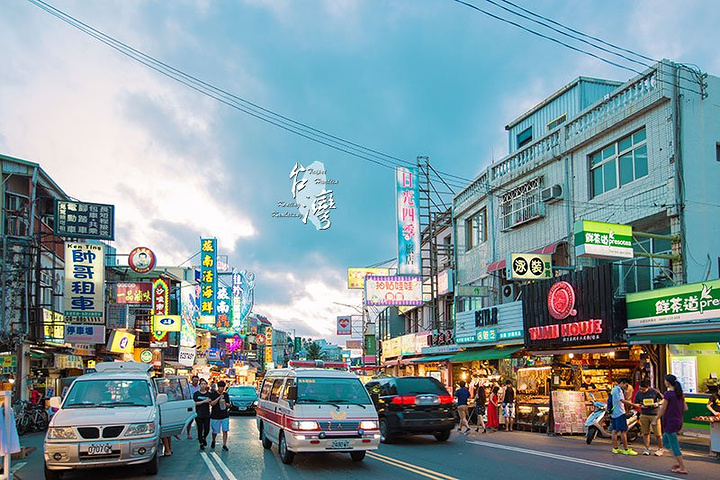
x: 507, y: 293
x: 552, y: 194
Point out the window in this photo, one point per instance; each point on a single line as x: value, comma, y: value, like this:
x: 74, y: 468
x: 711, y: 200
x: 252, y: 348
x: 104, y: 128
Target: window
x: 265, y: 392
x: 288, y: 384
x: 641, y: 273
x: 170, y: 386
x: 619, y: 164
x: 90, y: 393
x: 275, y: 392
x: 521, y: 204
x: 476, y: 229
x: 341, y: 391
x: 524, y: 137
x: 557, y: 122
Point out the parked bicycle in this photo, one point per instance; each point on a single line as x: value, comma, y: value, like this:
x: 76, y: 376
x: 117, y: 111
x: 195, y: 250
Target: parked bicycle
x: 30, y: 417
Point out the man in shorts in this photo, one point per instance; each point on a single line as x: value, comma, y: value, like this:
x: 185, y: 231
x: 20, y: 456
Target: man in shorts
x: 219, y: 414
x: 618, y: 420
x: 648, y: 400
x: 509, y: 406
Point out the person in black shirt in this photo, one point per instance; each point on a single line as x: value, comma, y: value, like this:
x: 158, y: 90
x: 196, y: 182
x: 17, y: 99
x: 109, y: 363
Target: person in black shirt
x: 648, y: 400
x: 714, y: 402
x: 202, y: 408
x: 509, y: 405
x: 220, y: 414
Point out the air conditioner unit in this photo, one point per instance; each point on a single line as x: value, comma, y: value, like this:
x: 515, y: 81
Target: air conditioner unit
x: 508, y: 293
x: 552, y: 194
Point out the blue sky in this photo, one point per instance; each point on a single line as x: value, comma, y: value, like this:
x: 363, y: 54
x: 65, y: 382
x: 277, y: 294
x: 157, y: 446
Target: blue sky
x: 405, y: 77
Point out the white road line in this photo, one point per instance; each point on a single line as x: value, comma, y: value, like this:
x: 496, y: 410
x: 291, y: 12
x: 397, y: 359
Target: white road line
x: 223, y: 466
x: 581, y: 461
x: 210, y: 466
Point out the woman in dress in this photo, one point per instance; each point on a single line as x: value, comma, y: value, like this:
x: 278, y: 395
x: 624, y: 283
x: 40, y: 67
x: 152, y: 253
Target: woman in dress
x: 480, y: 402
x: 671, y: 411
x: 493, y: 422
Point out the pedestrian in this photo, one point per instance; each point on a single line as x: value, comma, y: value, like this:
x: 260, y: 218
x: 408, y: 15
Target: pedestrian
x: 462, y: 395
x: 647, y: 399
x: 220, y: 414
x: 509, y: 406
x: 35, y: 395
x: 714, y: 401
x: 493, y: 422
x: 617, y: 404
x: 671, y: 411
x: 202, y: 409
x: 480, y: 402
x: 194, y: 387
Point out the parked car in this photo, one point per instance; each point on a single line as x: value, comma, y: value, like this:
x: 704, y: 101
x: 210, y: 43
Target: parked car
x: 412, y: 406
x: 115, y: 417
x: 243, y: 399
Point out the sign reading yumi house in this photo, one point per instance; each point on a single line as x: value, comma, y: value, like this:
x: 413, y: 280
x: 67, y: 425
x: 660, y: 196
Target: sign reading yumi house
x: 685, y: 303
x: 573, y: 310
x: 603, y: 240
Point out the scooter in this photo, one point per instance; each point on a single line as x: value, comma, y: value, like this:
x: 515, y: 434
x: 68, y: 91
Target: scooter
x: 598, y: 424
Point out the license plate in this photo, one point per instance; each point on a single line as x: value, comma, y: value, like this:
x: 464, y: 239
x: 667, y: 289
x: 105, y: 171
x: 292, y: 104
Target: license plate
x: 429, y: 400
x: 99, y: 449
x: 340, y: 444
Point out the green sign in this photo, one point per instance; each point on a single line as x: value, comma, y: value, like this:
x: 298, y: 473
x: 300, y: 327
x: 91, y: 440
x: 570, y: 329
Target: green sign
x: 510, y: 334
x: 693, y: 302
x: 486, y: 335
x: 370, y: 348
x: 472, y: 291
x: 603, y: 240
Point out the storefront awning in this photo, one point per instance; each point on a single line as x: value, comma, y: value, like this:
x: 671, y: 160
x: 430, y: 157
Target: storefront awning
x: 493, y: 353
x: 436, y: 358
x: 500, y: 264
x: 675, y: 338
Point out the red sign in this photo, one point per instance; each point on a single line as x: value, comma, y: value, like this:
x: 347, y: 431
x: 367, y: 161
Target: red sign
x: 344, y: 326
x: 260, y: 339
x: 141, y: 260
x: 561, y: 301
x: 573, y: 330
x: 160, y: 297
x: 134, y: 293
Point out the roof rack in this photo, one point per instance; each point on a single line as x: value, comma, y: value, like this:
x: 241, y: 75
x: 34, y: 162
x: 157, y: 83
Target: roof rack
x: 317, y: 364
x: 123, y: 366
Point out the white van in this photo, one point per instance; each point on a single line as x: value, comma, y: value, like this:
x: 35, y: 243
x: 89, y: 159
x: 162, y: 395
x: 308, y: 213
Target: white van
x: 115, y: 416
x: 305, y: 409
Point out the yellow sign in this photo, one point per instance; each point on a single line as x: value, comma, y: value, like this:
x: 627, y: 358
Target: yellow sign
x: 391, y: 348
x: 268, y: 345
x: 121, y: 342
x: 54, y: 327
x: 167, y: 323
x: 91, y: 363
x: 356, y: 276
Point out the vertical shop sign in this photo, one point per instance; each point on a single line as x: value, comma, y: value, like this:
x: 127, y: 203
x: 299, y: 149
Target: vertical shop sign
x: 160, y: 307
x: 84, y: 298
x: 370, y: 345
x: 408, y: 220
x: 208, y: 276
x: 268, y: 345
x: 243, y: 284
x: 54, y: 327
x: 223, y: 317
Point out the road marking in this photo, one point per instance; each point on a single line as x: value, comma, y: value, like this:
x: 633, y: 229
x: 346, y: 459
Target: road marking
x: 210, y: 466
x: 581, y: 461
x: 223, y: 466
x: 410, y: 467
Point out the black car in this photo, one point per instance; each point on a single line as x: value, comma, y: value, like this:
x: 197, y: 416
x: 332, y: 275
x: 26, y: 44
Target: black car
x: 412, y: 405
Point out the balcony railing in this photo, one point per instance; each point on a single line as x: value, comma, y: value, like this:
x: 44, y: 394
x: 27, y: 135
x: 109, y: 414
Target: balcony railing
x: 541, y: 148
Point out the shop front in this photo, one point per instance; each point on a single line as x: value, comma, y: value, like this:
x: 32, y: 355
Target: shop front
x: 684, y: 323
x: 573, y: 327
x: 399, y: 353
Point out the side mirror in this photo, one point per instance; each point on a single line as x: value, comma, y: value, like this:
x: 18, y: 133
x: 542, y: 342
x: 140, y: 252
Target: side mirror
x: 161, y: 398
x: 292, y: 393
x: 55, y: 402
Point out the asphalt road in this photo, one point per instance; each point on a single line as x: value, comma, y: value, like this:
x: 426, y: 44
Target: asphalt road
x: 500, y: 455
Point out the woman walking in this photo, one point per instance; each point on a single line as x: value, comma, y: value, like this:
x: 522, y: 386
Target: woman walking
x: 493, y: 422
x: 671, y: 411
x: 480, y: 401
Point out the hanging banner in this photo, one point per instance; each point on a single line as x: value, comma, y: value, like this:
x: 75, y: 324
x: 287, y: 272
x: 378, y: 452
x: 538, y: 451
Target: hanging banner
x: 84, y: 299
x: 393, y: 290
x: 408, y: 220
x: 208, y: 276
x: 90, y: 334
x: 133, y: 293
x: 603, y: 240
x: 356, y: 276
x: 344, y: 325
x: 121, y: 342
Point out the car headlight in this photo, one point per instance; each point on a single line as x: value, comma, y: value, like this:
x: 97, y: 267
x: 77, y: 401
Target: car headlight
x: 305, y: 425
x: 368, y: 425
x: 61, y: 433
x: 140, y: 429
x: 255, y: 403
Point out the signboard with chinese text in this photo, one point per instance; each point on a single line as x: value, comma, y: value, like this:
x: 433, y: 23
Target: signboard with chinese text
x: 190, y: 313
x: 603, y: 240
x: 344, y: 325
x: 391, y: 348
x: 117, y: 316
x: 68, y: 361
x: 159, y: 339
x: 243, y: 297
x: 353, y: 344
x: 134, y: 293
x: 529, y: 266
x: 223, y: 317
x: 90, y: 334
x: 186, y: 356
x: 54, y: 327
x: 445, y: 282
x: 268, y: 345
x: 121, y: 342
x: 396, y: 290
x: 684, y: 303
x: 472, y: 291
x: 84, y: 299
x: 8, y: 363
x: 83, y: 349
x: 160, y: 297
x: 84, y: 220
x: 356, y: 276
x: 166, y: 323
x: 208, y: 276
x: 408, y: 220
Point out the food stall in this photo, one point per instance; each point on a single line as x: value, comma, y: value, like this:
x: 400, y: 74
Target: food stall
x: 714, y: 432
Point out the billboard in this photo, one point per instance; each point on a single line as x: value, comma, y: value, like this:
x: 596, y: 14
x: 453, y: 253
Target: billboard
x: 133, y: 293
x: 344, y: 325
x: 603, y: 240
x: 408, y: 220
x: 356, y: 276
x: 84, y: 220
x: 695, y: 302
x: 396, y: 290
x: 84, y: 299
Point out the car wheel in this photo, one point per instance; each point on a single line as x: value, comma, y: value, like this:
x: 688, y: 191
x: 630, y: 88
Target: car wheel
x: 385, y: 436
x: 442, y: 436
x: 357, y: 456
x: 152, y: 467
x: 286, y: 455
x: 52, y: 474
x: 266, y: 442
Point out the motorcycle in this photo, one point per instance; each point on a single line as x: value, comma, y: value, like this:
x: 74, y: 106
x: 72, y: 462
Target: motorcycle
x: 598, y: 423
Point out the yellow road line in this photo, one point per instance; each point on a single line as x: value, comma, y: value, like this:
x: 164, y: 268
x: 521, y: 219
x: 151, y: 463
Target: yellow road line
x: 410, y: 467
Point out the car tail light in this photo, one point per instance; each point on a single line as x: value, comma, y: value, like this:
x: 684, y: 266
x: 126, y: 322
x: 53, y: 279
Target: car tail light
x: 404, y: 400
x: 445, y: 398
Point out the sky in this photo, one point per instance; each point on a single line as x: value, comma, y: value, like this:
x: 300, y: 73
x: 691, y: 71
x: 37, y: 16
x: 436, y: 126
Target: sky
x: 407, y: 78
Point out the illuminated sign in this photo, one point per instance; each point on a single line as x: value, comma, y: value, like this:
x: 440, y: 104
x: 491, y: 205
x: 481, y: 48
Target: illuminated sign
x: 408, y: 220
x: 208, y: 276
x: 529, y: 266
x: 694, y: 302
x: 84, y: 298
x: 356, y: 276
x: 54, y: 326
x: 134, y: 293
x: 603, y: 240
x: 222, y: 319
x: 561, y: 301
x: 121, y: 342
x: 167, y: 323
x: 397, y: 290
x: 141, y: 260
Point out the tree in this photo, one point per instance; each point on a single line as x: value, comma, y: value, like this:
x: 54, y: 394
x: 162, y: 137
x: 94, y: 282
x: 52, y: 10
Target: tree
x: 314, y: 352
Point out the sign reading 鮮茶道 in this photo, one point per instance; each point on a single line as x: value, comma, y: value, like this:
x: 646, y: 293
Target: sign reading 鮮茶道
x: 603, y: 240
x: 684, y: 303
x: 393, y: 290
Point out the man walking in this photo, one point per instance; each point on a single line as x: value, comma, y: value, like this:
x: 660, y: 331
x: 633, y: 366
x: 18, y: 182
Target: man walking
x: 194, y: 387
x: 462, y: 395
x: 220, y: 414
x: 648, y: 400
x: 202, y: 408
x: 617, y: 404
x: 509, y: 406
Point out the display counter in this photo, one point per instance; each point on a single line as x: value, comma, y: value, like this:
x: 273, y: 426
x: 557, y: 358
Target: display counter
x: 533, y: 399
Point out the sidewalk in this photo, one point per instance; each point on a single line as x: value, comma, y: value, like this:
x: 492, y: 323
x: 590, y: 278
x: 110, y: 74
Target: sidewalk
x: 34, y: 440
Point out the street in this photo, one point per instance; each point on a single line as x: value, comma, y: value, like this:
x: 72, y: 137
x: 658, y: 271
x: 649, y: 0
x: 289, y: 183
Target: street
x: 515, y: 455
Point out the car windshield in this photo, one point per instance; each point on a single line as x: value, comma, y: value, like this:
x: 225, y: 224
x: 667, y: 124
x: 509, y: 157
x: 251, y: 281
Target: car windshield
x: 243, y: 391
x: 338, y: 391
x: 418, y: 386
x: 108, y: 393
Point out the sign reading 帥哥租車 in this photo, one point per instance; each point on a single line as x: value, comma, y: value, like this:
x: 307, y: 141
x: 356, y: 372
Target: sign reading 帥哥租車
x: 684, y: 303
x: 603, y: 240
x: 84, y: 298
